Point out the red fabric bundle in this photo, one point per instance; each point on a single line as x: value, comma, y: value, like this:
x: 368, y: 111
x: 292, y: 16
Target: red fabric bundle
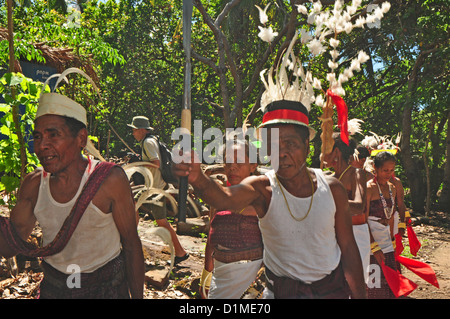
x: 414, y: 244
x: 399, y: 284
x: 398, y: 244
x: 342, y: 112
x: 421, y: 269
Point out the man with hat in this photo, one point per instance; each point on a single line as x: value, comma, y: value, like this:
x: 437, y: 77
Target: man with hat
x: 142, y: 132
x: 309, y: 248
x: 91, y: 248
x: 149, y: 148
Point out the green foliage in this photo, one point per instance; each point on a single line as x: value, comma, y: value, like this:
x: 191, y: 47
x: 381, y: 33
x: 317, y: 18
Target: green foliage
x: 136, y: 49
x: 16, y: 90
x: 38, y: 22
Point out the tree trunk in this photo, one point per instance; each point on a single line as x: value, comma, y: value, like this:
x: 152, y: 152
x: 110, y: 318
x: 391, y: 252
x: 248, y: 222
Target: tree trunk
x: 427, y: 169
x: 444, y: 199
x: 412, y: 171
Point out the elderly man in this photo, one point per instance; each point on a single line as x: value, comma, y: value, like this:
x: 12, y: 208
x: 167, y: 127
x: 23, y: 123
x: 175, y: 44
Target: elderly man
x: 85, y: 209
x: 309, y: 248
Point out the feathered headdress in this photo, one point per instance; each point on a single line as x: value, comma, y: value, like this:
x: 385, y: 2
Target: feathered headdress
x: 324, y: 24
x: 376, y: 144
x: 288, y: 99
x: 58, y: 104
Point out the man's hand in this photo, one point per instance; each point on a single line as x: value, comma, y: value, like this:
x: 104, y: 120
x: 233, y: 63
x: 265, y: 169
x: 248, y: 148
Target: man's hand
x: 188, y: 164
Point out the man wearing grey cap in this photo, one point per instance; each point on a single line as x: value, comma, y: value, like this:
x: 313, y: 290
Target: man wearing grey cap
x: 142, y: 132
x: 85, y: 209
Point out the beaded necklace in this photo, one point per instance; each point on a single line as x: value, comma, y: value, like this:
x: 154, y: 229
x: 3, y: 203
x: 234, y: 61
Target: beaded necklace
x: 383, y: 201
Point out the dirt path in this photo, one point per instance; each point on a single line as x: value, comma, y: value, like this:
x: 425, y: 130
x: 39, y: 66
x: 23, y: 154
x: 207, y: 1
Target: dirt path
x: 433, y: 234
x: 435, y: 251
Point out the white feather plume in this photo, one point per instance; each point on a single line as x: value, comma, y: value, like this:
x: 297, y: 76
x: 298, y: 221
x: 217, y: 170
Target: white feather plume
x: 293, y: 86
x: 354, y: 126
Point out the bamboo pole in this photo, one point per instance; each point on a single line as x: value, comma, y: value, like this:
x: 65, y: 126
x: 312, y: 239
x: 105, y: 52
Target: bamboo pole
x: 15, y: 108
x: 327, y: 130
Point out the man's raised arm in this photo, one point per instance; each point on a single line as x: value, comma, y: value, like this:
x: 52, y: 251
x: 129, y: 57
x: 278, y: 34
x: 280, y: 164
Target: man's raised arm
x: 222, y: 198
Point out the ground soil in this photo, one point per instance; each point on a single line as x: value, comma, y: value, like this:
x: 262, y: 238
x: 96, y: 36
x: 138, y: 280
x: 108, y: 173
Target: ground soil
x: 433, y: 233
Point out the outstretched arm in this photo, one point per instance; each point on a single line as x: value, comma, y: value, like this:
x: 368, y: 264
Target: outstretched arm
x: 221, y: 198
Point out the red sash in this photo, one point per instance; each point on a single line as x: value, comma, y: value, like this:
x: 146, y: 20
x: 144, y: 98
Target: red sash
x: 25, y: 248
x: 399, y: 284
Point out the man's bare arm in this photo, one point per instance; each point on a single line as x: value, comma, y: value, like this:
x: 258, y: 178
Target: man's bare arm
x: 351, y: 260
x: 22, y: 216
x: 222, y: 198
x: 124, y: 214
x: 358, y: 204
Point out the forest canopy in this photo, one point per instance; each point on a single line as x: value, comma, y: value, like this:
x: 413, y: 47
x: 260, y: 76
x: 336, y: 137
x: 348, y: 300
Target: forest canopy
x: 134, y: 52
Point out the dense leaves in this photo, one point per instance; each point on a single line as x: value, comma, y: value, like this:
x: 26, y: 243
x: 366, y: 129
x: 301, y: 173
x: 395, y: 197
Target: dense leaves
x: 136, y: 49
x: 26, y: 93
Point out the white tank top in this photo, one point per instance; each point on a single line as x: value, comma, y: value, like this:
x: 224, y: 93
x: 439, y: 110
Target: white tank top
x: 94, y: 242
x: 304, y: 250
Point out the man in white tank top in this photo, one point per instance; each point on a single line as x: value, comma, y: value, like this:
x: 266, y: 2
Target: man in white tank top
x: 104, y: 249
x: 309, y: 248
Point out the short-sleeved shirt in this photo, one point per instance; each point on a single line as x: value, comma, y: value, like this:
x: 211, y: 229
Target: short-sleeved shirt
x: 150, y: 152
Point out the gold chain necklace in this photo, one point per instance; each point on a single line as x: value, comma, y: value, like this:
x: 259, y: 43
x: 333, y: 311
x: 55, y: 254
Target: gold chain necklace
x: 287, y: 204
x: 340, y: 176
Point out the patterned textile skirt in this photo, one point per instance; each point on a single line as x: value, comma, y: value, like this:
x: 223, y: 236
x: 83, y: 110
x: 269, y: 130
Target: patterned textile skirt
x: 381, y: 289
x: 107, y: 282
x: 332, y: 286
x: 378, y: 287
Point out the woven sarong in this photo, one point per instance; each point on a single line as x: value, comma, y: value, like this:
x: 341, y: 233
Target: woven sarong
x: 333, y: 286
x: 382, y: 290
x: 25, y: 248
x: 235, y: 231
x: 107, y: 282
